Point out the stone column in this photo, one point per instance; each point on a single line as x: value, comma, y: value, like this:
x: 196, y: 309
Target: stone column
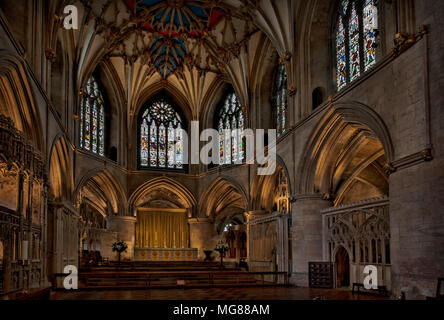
x: 31, y: 243
x: 202, y: 235
x: 55, y: 241
x: 125, y: 227
x: 306, y: 235
x: 20, y: 211
x: 7, y: 254
x: 44, y: 223
x: 282, y: 241
x: 405, y: 16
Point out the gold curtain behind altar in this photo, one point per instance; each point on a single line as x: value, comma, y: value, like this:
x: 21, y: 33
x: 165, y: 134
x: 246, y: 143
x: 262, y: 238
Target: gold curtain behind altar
x: 162, y: 228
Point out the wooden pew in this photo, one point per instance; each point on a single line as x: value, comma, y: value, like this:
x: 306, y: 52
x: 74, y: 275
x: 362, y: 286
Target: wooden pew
x: 382, y: 290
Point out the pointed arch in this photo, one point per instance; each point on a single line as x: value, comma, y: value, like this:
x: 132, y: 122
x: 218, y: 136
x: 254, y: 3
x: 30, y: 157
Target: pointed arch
x: 17, y: 100
x: 209, y: 106
x: 164, y: 87
x: 61, y: 180
x: 344, y: 133
x: 106, y: 187
x: 223, y: 197
x: 230, y: 122
x: 260, y: 113
x: 355, y: 29
x: 161, y: 135
x: 185, y: 195
x: 93, y: 111
x: 158, y: 90
x: 263, y: 188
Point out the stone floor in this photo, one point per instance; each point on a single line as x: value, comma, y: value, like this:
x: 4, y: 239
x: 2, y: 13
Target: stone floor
x: 266, y: 293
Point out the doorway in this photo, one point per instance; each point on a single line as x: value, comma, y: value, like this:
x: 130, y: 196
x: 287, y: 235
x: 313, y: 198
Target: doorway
x: 342, y: 268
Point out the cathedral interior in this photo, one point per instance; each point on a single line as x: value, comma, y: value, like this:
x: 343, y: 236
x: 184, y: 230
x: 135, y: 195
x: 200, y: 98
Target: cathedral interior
x: 97, y: 98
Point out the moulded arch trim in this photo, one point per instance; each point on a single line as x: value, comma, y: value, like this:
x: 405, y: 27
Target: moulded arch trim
x: 96, y: 207
x: 167, y: 183
x: 114, y: 81
x: 356, y: 112
x: 60, y: 150
x: 155, y: 89
x: 280, y: 161
x: 13, y: 70
x: 118, y: 200
x: 338, y: 114
x: 223, y: 87
x: 336, y: 249
x: 220, y: 181
x: 211, y: 103
x: 259, y: 181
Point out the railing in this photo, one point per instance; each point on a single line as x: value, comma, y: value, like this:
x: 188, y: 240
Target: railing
x: 145, y: 280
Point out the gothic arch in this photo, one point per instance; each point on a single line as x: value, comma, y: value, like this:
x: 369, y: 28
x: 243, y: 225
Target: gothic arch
x: 262, y: 187
x: 61, y: 181
x: 212, y: 99
x: 335, y: 142
x: 106, y: 187
x: 336, y: 249
x: 262, y: 82
x: 186, y: 197
x: 223, y: 197
x: 111, y: 81
x: 115, y: 109
x: 162, y: 87
x: 17, y: 100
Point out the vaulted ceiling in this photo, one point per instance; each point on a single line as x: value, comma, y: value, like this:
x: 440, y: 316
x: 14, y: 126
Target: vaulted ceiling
x: 190, y: 45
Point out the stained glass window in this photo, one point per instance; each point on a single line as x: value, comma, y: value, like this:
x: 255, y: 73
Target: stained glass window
x: 355, y: 39
x: 231, y: 123
x: 370, y: 24
x: 161, y: 137
x: 280, y: 100
x: 341, y: 58
x: 92, y: 119
x: 344, y: 4
x: 353, y: 31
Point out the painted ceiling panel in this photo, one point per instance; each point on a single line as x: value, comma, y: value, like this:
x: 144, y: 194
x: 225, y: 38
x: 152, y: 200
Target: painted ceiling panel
x: 175, y: 40
x: 173, y: 21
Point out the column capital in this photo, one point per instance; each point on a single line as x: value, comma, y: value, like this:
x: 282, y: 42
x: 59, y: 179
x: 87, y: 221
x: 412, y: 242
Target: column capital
x: 199, y: 220
x: 253, y: 213
x: 311, y: 197
x: 124, y: 218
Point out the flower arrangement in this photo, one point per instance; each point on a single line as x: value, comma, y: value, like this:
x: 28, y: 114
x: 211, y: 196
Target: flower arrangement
x: 119, y: 247
x: 221, y: 247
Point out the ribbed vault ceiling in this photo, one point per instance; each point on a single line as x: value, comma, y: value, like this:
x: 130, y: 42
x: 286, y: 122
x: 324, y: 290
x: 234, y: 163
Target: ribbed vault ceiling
x: 189, y: 44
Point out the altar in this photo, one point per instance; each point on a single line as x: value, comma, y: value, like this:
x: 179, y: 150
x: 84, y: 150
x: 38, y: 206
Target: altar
x: 163, y: 235
x: 165, y: 254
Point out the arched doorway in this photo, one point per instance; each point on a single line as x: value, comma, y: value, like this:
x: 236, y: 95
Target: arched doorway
x: 342, y: 268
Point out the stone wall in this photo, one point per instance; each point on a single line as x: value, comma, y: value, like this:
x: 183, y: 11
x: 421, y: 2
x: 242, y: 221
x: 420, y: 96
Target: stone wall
x: 405, y: 91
